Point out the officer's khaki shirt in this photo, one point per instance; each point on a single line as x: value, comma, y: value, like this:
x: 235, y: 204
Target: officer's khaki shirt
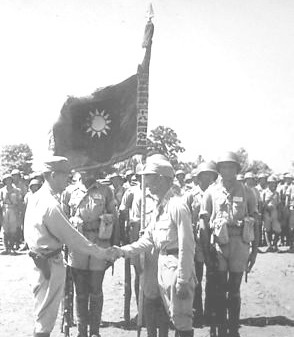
x: 170, y: 228
x: 46, y: 227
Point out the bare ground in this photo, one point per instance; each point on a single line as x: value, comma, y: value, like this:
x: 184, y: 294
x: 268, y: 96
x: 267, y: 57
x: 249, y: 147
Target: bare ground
x: 267, y: 300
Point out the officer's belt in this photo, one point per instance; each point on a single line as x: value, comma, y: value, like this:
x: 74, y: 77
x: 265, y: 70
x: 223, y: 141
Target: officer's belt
x: 34, y: 255
x: 171, y: 251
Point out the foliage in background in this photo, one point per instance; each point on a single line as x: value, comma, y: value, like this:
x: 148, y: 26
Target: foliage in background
x: 16, y: 157
x: 165, y: 140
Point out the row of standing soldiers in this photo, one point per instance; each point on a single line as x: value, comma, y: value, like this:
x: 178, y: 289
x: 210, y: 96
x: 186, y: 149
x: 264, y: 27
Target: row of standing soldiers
x: 220, y: 211
x: 14, y: 194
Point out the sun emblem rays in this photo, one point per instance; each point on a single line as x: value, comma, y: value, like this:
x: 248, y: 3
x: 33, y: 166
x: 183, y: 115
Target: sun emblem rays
x: 99, y: 123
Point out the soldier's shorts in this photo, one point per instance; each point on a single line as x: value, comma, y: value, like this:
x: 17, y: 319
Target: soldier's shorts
x: 271, y: 222
x: 180, y: 310
x: 233, y: 256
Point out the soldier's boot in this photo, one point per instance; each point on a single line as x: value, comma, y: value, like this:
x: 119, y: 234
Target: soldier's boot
x: 163, y: 319
x: 234, y: 303
x: 82, y: 315
x: 149, y: 311
x: 6, y: 243
x: 96, y: 305
x: 221, y: 304
x: 275, y: 242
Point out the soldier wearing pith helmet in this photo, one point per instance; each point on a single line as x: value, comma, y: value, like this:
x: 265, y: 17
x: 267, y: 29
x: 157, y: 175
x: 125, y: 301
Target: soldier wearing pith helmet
x: 170, y: 231
x: 46, y: 229
x: 228, y: 212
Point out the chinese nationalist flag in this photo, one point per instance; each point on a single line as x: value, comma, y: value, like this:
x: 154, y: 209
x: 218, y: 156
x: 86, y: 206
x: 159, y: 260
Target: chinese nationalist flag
x: 108, y: 126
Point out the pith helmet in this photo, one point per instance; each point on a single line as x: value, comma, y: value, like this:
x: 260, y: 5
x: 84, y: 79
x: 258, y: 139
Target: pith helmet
x: 15, y: 172
x: 207, y: 167
x: 158, y: 164
x: 180, y: 172
x: 230, y: 157
x: 262, y: 175
x: 249, y: 175
x: 188, y: 177
x: 272, y: 179
x: 6, y: 176
x: 129, y: 173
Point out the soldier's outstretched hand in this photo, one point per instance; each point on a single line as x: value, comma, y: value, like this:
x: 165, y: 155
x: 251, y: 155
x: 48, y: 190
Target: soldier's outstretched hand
x: 113, y: 253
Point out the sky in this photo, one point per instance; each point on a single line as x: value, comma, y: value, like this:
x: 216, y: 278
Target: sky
x: 221, y: 72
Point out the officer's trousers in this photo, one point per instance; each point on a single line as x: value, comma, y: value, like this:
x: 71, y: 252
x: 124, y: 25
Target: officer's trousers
x: 47, y: 294
x: 180, y: 310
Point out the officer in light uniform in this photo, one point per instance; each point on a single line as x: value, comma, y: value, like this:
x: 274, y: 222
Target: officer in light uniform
x: 206, y: 174
x: 226, y: 207
x: 46, y: 229
x: 170, y: 231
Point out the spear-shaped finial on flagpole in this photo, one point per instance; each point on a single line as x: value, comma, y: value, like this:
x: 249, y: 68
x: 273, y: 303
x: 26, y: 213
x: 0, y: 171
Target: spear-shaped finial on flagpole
x: 149, y: 29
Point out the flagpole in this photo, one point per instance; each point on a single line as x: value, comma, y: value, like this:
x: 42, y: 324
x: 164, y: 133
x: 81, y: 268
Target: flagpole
x: 142, y: 108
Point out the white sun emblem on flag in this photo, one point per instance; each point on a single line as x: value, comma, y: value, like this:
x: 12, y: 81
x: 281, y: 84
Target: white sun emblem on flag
x: 98, y: 123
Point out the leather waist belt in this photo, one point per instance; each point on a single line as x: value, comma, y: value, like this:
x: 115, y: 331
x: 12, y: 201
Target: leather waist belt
x: 172, y: 251
x: 45, y: 256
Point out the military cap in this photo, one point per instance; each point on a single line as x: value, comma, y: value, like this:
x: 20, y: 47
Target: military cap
x: 240, y: 177
x: 35, y: 182
x: 230, y: 157
x: 15, y: 172
x: 56, y: 164
x: 113, y: 175
x: 180, y: 172
x: 249, y: 175
x: 158, y: 164
x: 206, y: 167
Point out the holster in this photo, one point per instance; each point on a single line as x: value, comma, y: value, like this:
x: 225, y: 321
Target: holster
x: 41, y: 263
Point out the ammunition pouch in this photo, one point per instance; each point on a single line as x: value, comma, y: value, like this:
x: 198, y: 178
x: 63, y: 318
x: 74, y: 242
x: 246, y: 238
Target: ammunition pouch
x: 106, y: 226
x: 248, y: 229
x: 42, y: 261
x: 220, y: 230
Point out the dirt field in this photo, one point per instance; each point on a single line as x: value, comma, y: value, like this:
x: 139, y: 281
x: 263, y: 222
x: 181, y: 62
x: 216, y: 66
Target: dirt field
x: 267, y: 300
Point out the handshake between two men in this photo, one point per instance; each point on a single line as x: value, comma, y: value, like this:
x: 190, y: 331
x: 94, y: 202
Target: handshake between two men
x: 113, y: 253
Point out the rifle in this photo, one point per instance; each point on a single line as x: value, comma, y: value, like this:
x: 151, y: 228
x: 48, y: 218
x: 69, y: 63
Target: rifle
x: 67, y: 317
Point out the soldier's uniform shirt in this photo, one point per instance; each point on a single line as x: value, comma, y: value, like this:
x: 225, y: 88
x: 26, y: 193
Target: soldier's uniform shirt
x: 11, y: 203
x: 271, y: 216
x: 291, y: 206
x: 90, y: 205
x: 234, y: 205
x: 193, y: 198
x: 46, y: 229
x: 171, y: 229
x: 118, y: 195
